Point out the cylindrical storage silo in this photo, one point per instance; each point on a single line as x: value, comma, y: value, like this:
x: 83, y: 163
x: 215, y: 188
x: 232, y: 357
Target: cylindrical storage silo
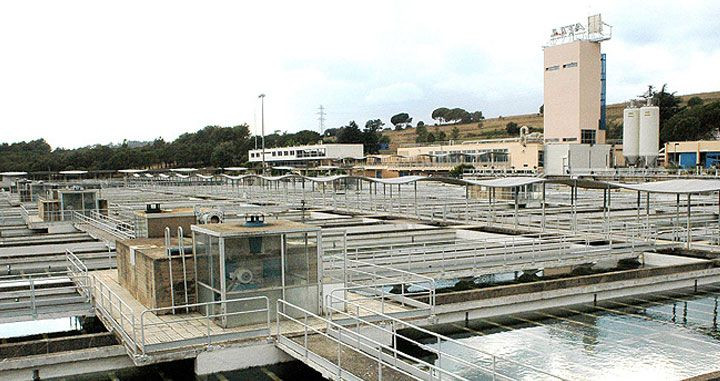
x: 649, y: 133
x: 631, y: 135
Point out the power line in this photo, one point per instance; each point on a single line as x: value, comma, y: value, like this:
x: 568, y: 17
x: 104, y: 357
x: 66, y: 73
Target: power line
x: 321, y: 119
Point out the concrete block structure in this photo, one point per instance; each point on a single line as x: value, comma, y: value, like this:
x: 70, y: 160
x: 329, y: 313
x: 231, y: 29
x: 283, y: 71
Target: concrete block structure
x: 144, y: 269
x: 568, y: 159
x: 574, y: 83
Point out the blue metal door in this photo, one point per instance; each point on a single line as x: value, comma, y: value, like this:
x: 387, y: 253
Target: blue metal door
x: 688, y: 159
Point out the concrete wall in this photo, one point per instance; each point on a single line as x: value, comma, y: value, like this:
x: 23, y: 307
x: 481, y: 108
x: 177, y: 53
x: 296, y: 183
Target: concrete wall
x: 561, y: 158
x: 572, y: 93
x: 233, y: 358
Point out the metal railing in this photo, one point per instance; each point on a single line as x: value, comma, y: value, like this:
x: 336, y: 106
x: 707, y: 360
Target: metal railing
x: 117, y: 313
x: 33, y: 293
x: 78, y: 272
x: 208, y: 318
x: 360, y: 336
x: 122, y: 230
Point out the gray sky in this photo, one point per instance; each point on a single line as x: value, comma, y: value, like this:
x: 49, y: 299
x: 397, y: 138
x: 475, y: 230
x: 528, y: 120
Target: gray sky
x: 85, y: 72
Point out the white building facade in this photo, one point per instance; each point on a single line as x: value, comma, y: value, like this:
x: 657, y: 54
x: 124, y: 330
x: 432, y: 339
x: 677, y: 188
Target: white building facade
x: 307, y: 154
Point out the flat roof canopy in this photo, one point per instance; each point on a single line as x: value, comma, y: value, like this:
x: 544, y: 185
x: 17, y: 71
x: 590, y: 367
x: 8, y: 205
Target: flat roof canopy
x: 132, y: 170
x: 675, y: 186
x: 239, y: 229
x: 73, y: 172
x: 13, y: 173
x: 506, y: 182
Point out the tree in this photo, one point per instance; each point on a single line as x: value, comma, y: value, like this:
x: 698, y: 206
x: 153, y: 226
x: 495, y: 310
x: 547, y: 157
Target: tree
x: 512, y: 128
x: 457, y: 115
x: 430, y: 138
x: 695, y: 101
x: 371, y: 135
x: 455, y: 134
x: 669, y: 104
x: 458, y: 170
x: 476, y: 116
x: 440, y: 136
x: 421, y: 134
x: 614, y: 130
x: 401, y: 120
x: 542, y: 109
x: 420, y: 123
x: 693, y: 123
x: 440, y: 114
x: 350, y: 134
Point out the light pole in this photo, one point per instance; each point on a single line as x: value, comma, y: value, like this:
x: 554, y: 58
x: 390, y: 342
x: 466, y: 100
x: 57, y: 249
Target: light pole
x: 262, y: 128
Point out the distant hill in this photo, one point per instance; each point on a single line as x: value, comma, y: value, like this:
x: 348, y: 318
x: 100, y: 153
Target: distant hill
x: 494, y: 128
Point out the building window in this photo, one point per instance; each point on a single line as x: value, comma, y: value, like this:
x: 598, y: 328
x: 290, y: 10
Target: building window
x: 551, y: 68
x: 571, y: 64
x: 587, y: 136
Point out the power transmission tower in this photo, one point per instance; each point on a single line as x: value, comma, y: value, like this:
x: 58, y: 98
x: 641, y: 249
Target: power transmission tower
x: 321, y: 119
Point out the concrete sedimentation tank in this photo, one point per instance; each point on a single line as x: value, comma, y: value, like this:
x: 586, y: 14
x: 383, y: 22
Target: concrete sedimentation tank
x: 649, y: 136
x: 631, y: 135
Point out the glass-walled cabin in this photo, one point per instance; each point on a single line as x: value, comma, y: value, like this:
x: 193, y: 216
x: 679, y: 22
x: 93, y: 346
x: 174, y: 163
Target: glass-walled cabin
x: 278, y: 259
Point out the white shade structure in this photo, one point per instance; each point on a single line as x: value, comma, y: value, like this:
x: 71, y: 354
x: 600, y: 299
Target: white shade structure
x: 73, y: 172
x: 130, y: 171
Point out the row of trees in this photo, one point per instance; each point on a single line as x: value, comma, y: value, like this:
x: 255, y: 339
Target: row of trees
x: 444, y: 115
x: 422, y: 135
x: 211, y: 146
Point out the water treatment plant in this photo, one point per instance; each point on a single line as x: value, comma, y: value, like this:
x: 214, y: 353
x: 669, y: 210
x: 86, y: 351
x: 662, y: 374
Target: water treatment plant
x: 552, y: 256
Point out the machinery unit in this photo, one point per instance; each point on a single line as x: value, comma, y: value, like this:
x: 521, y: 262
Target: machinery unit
x: 275, y: 259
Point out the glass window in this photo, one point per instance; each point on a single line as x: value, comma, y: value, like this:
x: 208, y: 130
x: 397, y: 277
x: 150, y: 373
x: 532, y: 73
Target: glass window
x: 588, y: 136
x: 252, y: 263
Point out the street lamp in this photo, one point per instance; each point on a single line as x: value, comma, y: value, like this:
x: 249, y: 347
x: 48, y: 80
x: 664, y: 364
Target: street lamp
x: 262, y: 128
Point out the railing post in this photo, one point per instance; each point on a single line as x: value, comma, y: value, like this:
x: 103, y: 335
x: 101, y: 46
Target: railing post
x: 32, y: 298
x: 494, y: 372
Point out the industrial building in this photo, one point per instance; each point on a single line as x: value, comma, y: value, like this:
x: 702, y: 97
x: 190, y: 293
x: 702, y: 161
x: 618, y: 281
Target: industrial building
x: 574, y: 83
x: 692, y: 154
x: 307, y: 155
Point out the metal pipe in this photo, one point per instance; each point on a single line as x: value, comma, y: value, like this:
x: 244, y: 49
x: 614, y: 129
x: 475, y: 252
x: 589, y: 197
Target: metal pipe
x: 169, y: 256
x: 689, y: 235
x: 181, y: 247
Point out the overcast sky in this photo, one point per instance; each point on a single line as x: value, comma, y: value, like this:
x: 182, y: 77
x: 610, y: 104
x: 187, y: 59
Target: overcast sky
x: 85, y: 72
